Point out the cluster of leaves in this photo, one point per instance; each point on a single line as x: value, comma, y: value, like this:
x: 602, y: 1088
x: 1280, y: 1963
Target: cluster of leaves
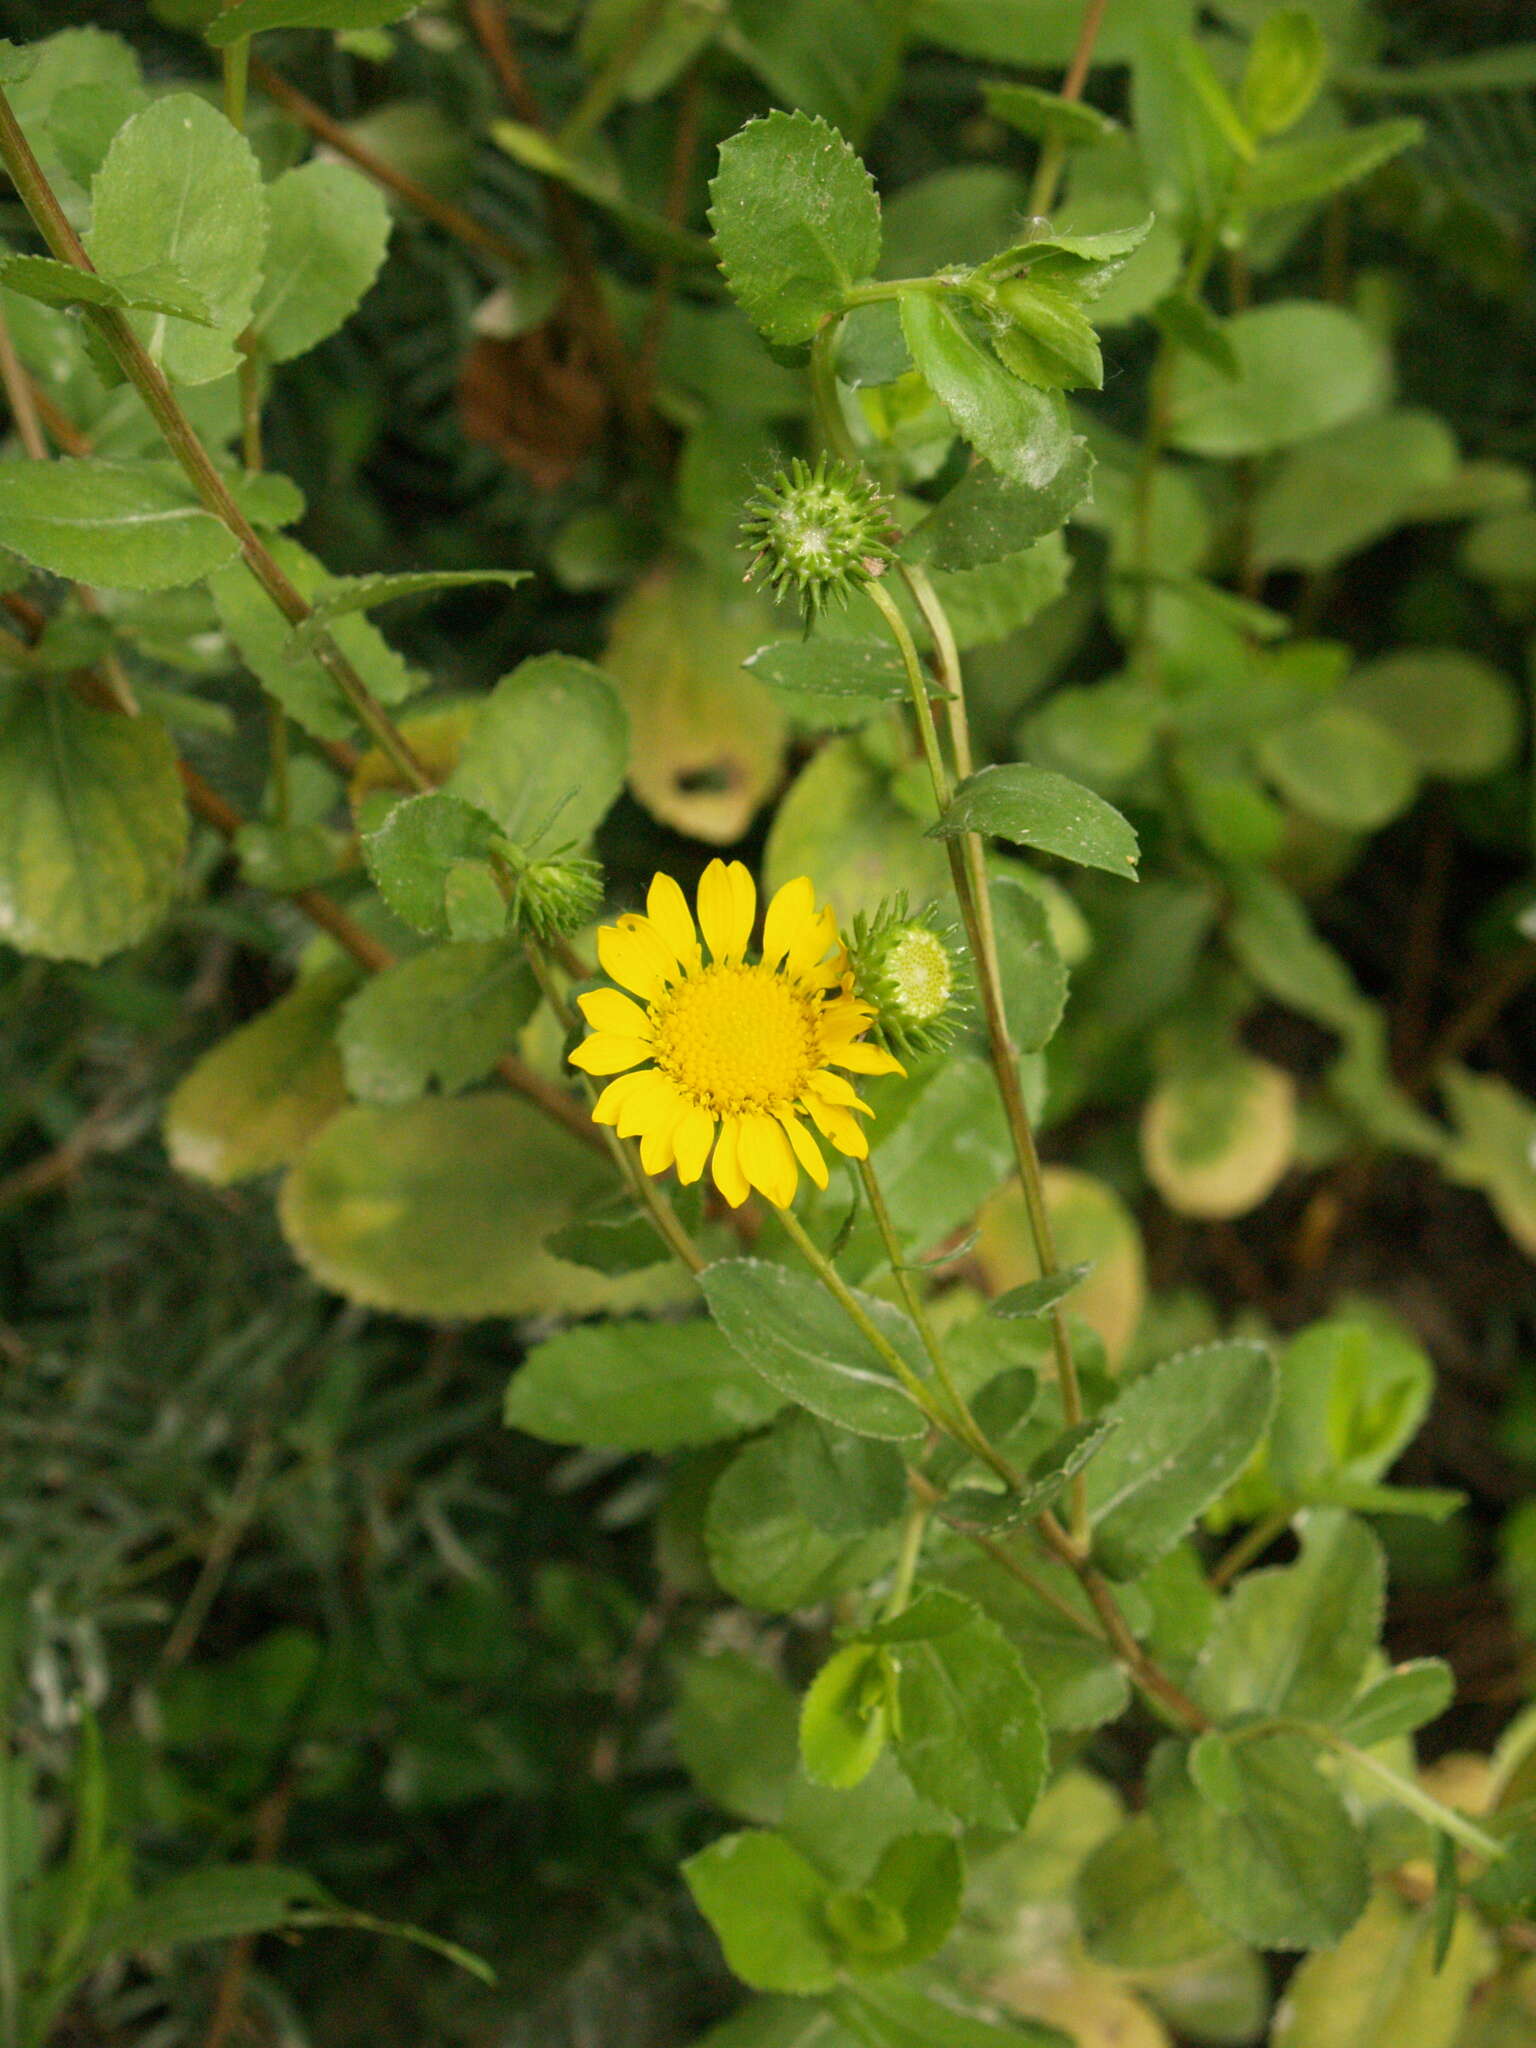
x: 1153, y: 583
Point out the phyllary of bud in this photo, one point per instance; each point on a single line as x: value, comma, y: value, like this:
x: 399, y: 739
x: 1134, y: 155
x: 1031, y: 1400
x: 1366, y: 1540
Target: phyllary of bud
x: 818, y: 533
x: 551, y: 897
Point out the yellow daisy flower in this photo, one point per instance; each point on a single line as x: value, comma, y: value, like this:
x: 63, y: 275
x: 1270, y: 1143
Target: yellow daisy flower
x: 732, y: 1054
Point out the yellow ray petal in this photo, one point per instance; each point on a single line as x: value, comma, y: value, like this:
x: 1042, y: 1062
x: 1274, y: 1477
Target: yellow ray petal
x: 790, y: 910
x: 648, y: 1105
x: 606, y: 1053
x: 635, y: 958
x: 609, y: 1106
x: 843, y: 1019
x: 667, y: 909
x: 863, y: 1059
x: 695, y: 1134
x: 766, y: 1159
x: 606, y: 1010
x: 807, y: 1151
x: 656, y: 1142
x: 727, y: 906
x: 728, y: 1176
x: 840, y: 1127
x: 811, y: 942
x: 832, y: 1088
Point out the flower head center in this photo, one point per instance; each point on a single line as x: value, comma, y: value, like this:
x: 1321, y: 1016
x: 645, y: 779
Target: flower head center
x: 737, y: 1039
x: 920, y: 974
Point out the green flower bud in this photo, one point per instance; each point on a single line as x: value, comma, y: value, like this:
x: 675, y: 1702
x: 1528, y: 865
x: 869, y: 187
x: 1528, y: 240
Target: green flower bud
x: 908, y: 970
x: 818, y: 533
x: 550, y: 897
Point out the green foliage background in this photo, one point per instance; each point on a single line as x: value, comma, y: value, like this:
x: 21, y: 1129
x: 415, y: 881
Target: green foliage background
x: 295, y: 1631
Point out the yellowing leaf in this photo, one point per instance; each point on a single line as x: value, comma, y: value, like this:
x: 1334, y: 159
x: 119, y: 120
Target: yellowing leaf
x: 707, y: 739
x: 1216, y: 1142
x: 1092, y: 1227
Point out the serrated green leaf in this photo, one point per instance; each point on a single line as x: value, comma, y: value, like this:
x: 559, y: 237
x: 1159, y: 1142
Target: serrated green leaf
x: 180, y: 188
x: 1030, y: 970
x: 845, y: 1721
x: 546, y: 755
x: 1294, y: 1640
x: 1038, y: 1297
x: 1353, y: 1391
x: 264, y: 640
x: 1048, y: 342
x: 1134, y: 1909
x: 764, y: 1551
x: 845, y: 1485
x: 93, y: 824
x: 329, y: 230
x: 1398, y: 1702
x: 344, y: 595
x: 832, y: 667
x: 918, y: 1881
x: 122, y: 525
x: 252, y: 17
x: 987, y: 518
x: 637, y: 1386
x: 1032, y: 111
x: 444, y: 1016
x: 1292, y: 173
x: 970, y: 1734
x: 1039, y: 808
x: 766, y: 1903
x: 411, y: 853
x: 786, y: 1326
x: 52, y: 283
x: 1288, y: 1869
x: 254, y: 1101
x: 1023, y: 432
x: 796, y: 222
x: 1185, y: 1431
x: 735, y: 1729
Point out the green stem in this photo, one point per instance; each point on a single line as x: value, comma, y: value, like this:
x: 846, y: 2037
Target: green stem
x: 963, y: 1424
x: 967, y: 862
x: 1412, y: 1796
x: 1042, y: 193
x: 1251, y: 1544
x: 149, y: 381
x: 829, y: 406
x: 237, y: 66
x: 913, y: 1530
x: 854, y: 1309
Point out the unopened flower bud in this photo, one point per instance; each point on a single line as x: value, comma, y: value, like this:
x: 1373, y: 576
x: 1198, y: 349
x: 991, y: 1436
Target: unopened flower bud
x: 818, y: 533
x: 552, y: 896
x: 906, y: 968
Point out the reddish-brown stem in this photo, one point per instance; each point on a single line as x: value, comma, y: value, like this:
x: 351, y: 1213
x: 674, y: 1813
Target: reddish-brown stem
x: 453, y: 219
x: 489, y: 21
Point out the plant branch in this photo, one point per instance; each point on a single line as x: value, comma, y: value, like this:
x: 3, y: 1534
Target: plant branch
x: 150, y: 382
x: 454, y: 220
x: 1053, y: 154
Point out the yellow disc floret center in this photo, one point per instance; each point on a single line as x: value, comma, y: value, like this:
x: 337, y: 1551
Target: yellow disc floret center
x: 738, y: 1038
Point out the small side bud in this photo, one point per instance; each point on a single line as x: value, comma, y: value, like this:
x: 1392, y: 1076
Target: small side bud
x: 550, y: 897
x: 816, y: 534
x: 908, y: 970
